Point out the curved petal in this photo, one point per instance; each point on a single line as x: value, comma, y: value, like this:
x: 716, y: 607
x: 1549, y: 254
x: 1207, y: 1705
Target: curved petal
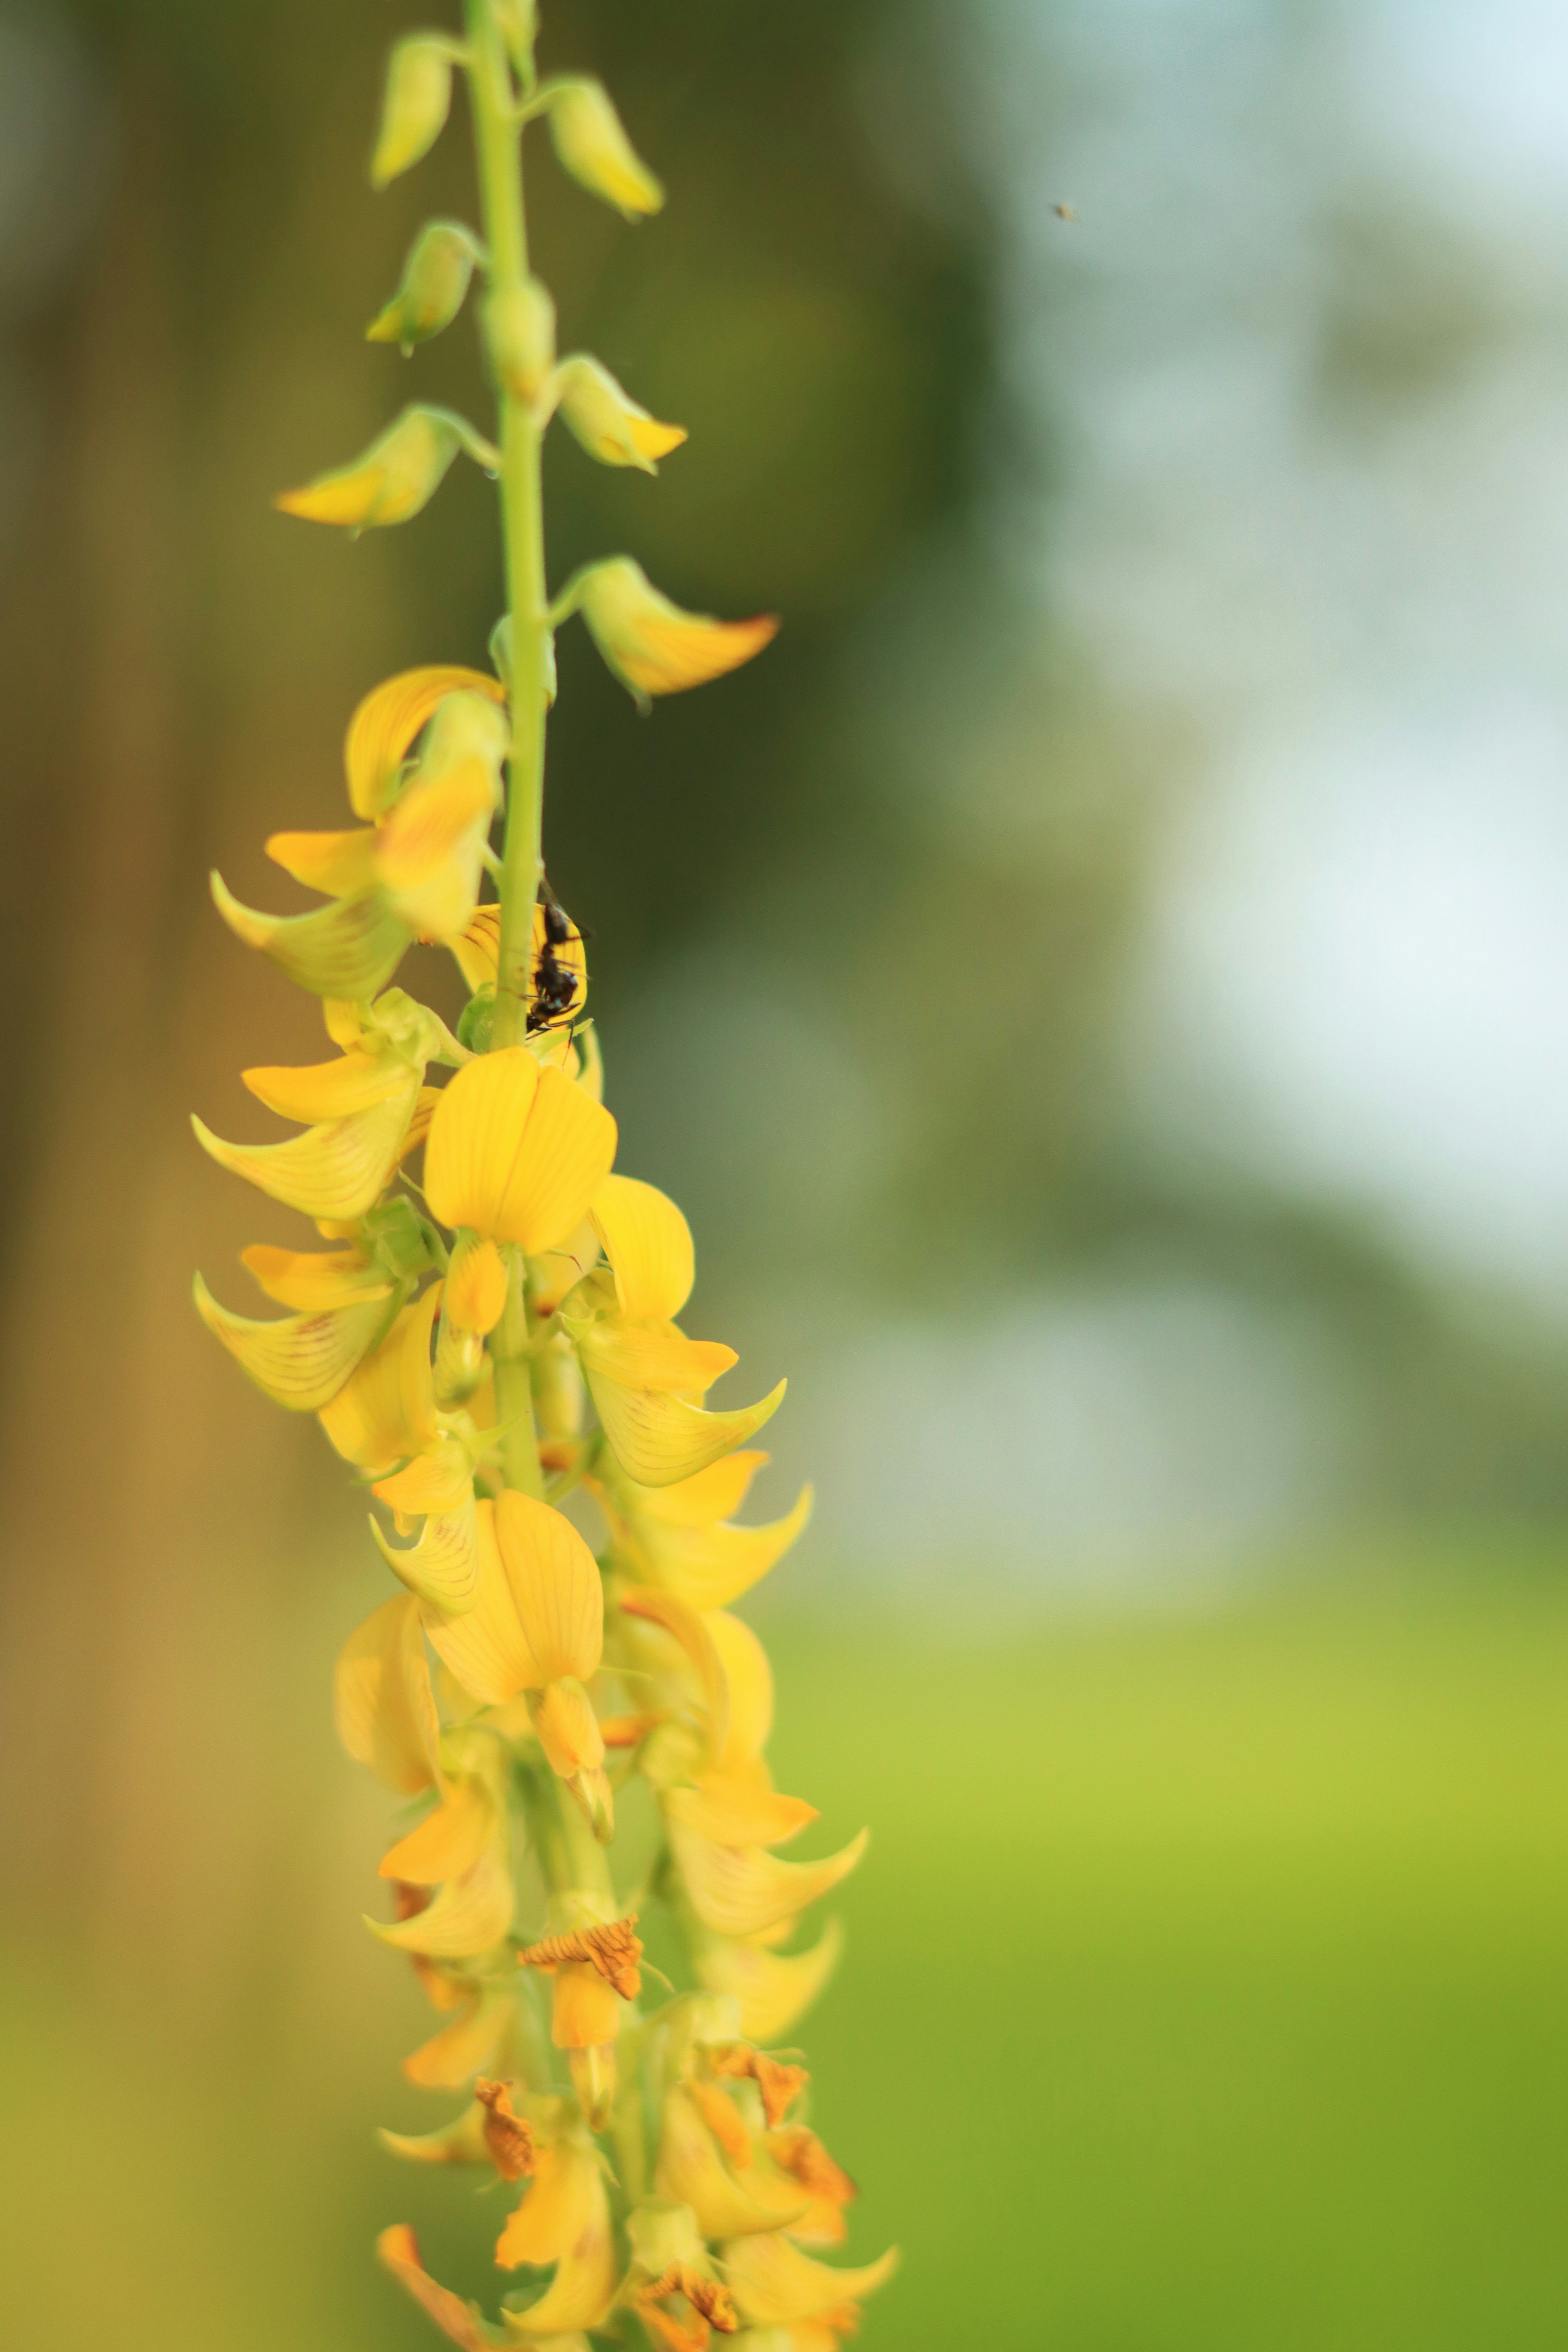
x: 773, y: 2284
x: 659, y: 1439
x: 429, y: 856
x: 311, y: 1281
x: 440, y: 1480
x: 750, y: 1681
x: 711, y: 1567
x: 350, y: 948
x: 555, y: 1586
x: 397, y: 2251
x: 386, y: 1411
x: 386, y: 722
x: 692, y: 2172
x: 386, y: 1712
x: 739, y: 1891
x: 469, y: 1915
x: 716, y: 1493
x: 448, y: 1842
x: 486, y: 1648
x: 336, y: 1172
x: 775, y: 1989
x: 691, y: 1632
x: 737, y: 1812
x: 583, y: 2289
x: 465, y: 2047
x: 302, y: 1361
x: 338, y: 865
x: 443, y: 1567
x: 655, y: 1360
x: 649, y: 1245
x: 331, y: 1090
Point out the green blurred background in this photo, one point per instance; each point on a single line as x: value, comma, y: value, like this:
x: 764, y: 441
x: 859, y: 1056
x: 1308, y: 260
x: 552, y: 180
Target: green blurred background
x: 1097, y: 985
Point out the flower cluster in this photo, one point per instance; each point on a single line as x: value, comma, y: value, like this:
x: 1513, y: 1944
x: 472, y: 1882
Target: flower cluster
x: 491, y: 1333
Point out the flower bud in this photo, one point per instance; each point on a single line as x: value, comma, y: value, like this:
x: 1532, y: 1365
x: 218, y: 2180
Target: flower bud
x: 519, y: 338
x: 414, y: 110
x: 517, y: 21
x: 592, y: 145
x: 435, y: 283
x: 395, y: 477
x: 650, y: 644
x: 608, y: 421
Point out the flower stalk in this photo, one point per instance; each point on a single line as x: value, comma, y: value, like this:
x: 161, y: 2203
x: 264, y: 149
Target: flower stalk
x: 498, y: 1339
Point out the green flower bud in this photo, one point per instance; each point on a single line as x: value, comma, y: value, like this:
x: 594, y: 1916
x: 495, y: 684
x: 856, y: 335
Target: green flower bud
x: 517, y: 21
x: 519, y: 338
x: 592, y: 145
x: 476, y: 1021
x: 435, y: 283
x: 414, y: 110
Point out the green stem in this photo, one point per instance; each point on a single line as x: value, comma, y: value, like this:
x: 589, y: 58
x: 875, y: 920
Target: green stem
x: 499, y: 136
x: 514, y: 1385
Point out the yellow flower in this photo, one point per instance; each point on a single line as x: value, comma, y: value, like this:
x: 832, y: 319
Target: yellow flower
x: 415, y: 105
x: 563, y: 2219
x: 680, y: 1537
x: 776, y: 2285
x: 650, y: 644
x: 608, y: 421
x: 516, y: 1152
x: 358, y: 1107
x: 642, y: 1371
x: 435, y: 283
x: 397, y: 476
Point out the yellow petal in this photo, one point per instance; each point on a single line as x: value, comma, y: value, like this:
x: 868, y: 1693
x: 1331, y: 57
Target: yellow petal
x: 386, y: 722
x: 391, y: 481
x: 443, y: 1567
x: 476, y: 1288
x: 716, y: 1493
x: 584, y: 2288
x: 775, y: 1989
x: 738, y: 1892
x: 387, y: 1410
x: 469, y: 1915
x: 340, y: 865
x: 737, y: 1812
x: 337, y: 1170
x: 463, y: 2048
x: 647, y: 1245
x: 585, y: 2011
x: 397, y: 2252
x: 557, y: 2207
x: 659, y: 1439
x: 750, y: 1681
x: 350, y: 948
x: 486, y: 1648
x: 773, y: 2284
x: 430, y: 855
x: 478, y: 950
x: 711, y: 1567
x: 461, y: 2141
x: 652, y: 645
x: 440, y: 1480
x: 416, y: 98
x: 555, y: 1586
x: 330, y: 1090
x: 692, y: 2172
x: 385, y: 1714
x: 448, y: 1842
x: 302, y: 1361
x: 312, y: 1280
x: 568, y: 1731
x: 655, y: 1360
x: 691, y: 1632
x: 516, y: 1152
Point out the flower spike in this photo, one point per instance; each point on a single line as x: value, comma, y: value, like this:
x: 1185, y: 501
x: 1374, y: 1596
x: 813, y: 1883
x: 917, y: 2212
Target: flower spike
x: 484, y: 1321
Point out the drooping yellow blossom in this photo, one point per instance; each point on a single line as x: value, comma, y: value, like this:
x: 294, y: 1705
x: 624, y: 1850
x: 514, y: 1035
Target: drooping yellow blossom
x: 650, y: 644
x: 485, y: 1322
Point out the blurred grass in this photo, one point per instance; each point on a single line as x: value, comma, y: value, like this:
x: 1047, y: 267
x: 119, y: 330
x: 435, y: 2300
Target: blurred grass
x: 1205, y: 1986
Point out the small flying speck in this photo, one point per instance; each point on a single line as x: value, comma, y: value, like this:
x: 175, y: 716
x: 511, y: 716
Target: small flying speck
x: 1067, y: 213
